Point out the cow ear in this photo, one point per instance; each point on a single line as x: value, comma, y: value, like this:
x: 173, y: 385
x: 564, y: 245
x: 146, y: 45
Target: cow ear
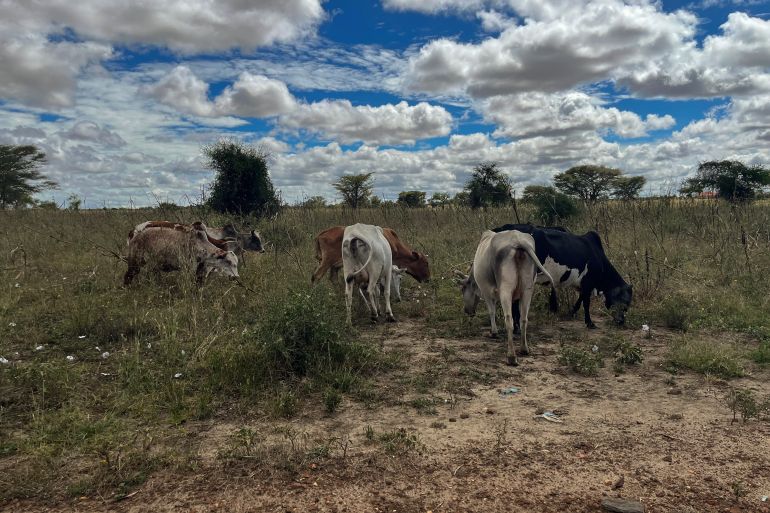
x: 201, y: 235
x: 415, y: 255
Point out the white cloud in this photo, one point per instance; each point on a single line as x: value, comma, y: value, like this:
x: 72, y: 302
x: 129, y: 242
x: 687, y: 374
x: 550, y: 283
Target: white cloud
x: 185, y: 26
x: 260, y: 96
x: 255, y: 96
x: 92, y: 132
x: 552, y: 55
x: 494, y: 21
x: 42, y: 73
x: 385, y: 124
x: 539, y: 114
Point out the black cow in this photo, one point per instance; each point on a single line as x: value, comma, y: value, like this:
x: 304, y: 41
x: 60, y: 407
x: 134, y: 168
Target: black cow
x: 578, y: 261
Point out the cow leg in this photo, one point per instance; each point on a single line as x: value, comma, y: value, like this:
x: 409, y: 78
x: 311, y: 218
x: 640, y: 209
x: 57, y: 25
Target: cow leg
x: 492, y: 309
x: 524, y: 303
x: 575, y: 308
x: 371, y: 292
x: 201, y: 272
x: 323, y: 265
x: 349, y: 300
x: 516, y: 318
x: 506, y: 300
x: 388, y: 310
x: 366, y: 301
x: 585, y: 294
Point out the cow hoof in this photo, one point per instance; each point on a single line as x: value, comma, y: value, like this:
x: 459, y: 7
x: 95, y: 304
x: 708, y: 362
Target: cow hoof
x: 512, y: 361
x: 489, y: 334
x: 591, y: 326
x: 390, y: 318
x: 523, y: 352
x: 517, y: 331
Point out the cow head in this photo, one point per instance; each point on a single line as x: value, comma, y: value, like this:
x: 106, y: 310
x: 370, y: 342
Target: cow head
x: 224, y: 262
x: 617, y: 300
x: 253, y: 242
x: 417, y: 267
x: 229, y: 232
x: 469, y: 291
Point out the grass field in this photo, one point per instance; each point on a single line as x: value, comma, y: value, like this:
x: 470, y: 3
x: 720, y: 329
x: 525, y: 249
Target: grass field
x: 106, y: 391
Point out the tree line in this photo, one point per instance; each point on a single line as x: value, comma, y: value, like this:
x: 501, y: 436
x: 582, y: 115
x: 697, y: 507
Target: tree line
x: 242, y: 184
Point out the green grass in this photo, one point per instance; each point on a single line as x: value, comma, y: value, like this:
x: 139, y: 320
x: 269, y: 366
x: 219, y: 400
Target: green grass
x: 706, y: 356
x: 178, y: 353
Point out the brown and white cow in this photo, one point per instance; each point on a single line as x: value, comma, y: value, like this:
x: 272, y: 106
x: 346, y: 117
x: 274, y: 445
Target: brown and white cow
x: 328, y: 246
x: 226, y: 237
x: 173, y: 248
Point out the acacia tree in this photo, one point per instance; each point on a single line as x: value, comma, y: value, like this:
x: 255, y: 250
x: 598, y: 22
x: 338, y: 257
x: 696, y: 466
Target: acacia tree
x: 628, y: 187
x: 20, y: 175
x: 488, y: 186
x: 411, y: 199
x: 439, y: 199
x: 242, y: 183
x: 589, y: 183
x: 355, y: 189
x: 731, y: 179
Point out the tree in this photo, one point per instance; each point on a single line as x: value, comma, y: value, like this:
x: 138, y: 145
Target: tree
x: 628, y: 187
x: 355, y: 189
x: 314, y: 202
x: 439, y: 199
x: 74, y: 202
x: 589, y: 183
x: 19, y: 170
x: 411, y: 199
x: 731, y: 179
x: 462, y: 199
x: 488, y: 186
x: 242, y: 182
x: 551, y: 206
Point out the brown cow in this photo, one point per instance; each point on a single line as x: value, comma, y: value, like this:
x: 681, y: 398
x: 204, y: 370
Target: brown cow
x: 328, y: 249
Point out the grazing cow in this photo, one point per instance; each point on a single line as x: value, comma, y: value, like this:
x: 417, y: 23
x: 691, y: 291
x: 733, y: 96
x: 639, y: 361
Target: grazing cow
x: 171, y: 249
x: 362, y: 280
x: 226, y: 238
x: 328, y: 249
x: 579, y: 261
x: 365, y: 249
x: 503, y: 269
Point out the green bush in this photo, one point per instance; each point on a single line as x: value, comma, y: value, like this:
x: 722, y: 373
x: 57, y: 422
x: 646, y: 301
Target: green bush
x: 585, y: 363
x: 550, y: 206
x: 706, y: 356
x: 676, y: 312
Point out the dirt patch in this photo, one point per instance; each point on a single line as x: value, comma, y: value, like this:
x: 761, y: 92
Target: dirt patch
x: 456, y: 443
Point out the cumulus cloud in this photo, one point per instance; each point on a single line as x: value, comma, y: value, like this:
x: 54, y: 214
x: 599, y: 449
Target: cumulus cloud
x: 540, y: 114
x: 43, y: 73
x: 552, y: 55
x: 262, y: 97
x: 185, y: 26
x: 494, y: 21
x: 92, y: 132
x: 386, y: 124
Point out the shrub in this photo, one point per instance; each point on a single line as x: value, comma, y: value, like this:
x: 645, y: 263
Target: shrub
x: 550, y: 206
x: 676, y: 312
x: 585, y: 363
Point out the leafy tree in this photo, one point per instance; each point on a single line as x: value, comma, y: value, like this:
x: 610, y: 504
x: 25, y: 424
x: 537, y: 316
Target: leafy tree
x: 74, y: 202
x: 314, y: 202
x: 355, y: 189
x: 462, y: 199
x: 628, y: 187
x: 551, y: 206
x: 439, y: 199
x: 411, y: 199
x: 488, y: 186
x: 589, y: 183
x: 242, y: 182
x: 731, y: 179
x: 20, y: 175
x: 376, y: 202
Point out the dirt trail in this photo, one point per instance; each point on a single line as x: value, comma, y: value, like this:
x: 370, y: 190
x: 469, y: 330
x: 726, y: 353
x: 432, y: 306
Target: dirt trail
x: 669, y: 438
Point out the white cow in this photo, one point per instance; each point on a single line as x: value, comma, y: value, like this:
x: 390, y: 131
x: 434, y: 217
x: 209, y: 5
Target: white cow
x: 503, y: 269
x: 365, y: 249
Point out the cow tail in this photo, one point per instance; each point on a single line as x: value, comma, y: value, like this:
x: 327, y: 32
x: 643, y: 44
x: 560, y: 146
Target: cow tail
x: 531, y: 252
x: 346, y: 247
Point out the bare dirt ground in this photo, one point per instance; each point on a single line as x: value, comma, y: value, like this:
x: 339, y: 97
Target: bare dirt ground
x: 669, y: 439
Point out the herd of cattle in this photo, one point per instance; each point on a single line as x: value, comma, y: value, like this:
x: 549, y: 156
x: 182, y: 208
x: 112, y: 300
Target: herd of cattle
x: 509, y: 260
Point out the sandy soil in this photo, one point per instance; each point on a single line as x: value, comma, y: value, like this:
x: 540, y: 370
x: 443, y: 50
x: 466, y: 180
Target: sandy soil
x: 669, y: 440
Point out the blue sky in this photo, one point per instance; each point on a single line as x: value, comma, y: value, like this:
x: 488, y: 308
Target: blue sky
x: 416, y: 91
